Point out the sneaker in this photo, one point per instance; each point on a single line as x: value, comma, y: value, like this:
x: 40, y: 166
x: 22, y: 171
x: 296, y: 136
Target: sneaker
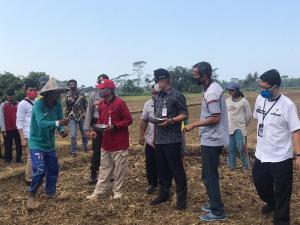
x: 117, y: 195
x: 211, y: 217
x: 159, y: 200
x: 150, y: 189
x: 74, y: 155
x: 93, y: 197
x: 205, y: 207
x: 267, y: 210
x: 181, y: 205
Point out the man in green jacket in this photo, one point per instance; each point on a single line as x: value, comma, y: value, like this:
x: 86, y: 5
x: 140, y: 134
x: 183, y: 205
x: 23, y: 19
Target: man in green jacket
x: 47, y: 115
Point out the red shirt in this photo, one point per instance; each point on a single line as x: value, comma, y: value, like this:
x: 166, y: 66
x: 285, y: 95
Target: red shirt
x: 117, y: 139
x: 10, y: 115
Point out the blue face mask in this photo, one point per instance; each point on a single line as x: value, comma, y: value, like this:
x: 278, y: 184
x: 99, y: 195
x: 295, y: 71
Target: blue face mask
x: 265, y: 93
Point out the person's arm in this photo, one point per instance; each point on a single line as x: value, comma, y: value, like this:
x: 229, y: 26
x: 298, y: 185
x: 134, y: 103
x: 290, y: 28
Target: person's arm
x: 89, y: 114
x: 2, y: 123
x: 143, y: 128
x: 20, y: 122
x: 214, y: 108
x: 296, y: 138
x: 68, y: 107
x: 248, y: 113
x: 126, y: 117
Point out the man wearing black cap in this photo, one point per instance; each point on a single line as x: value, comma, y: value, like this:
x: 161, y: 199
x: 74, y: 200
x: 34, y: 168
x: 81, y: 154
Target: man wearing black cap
x: 277, y: 125
x: 170, y: 106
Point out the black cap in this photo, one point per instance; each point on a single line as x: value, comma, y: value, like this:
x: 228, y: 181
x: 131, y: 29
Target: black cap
x: 161, y: 74
x: 272, y: 77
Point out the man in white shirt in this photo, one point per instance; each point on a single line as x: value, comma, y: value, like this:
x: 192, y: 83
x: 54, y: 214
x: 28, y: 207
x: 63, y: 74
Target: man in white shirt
x: 147, y: 136
x: 24, y: 113
x: 277, y: 125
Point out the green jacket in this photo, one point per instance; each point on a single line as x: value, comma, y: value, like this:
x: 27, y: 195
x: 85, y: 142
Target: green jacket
x: 42, y: 127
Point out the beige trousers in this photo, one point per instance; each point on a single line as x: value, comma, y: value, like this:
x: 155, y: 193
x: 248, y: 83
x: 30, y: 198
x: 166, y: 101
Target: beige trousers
x: 113, y: 165
x: 28, y: 169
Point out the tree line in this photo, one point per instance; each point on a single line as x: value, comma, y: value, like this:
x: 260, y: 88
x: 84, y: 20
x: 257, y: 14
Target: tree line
x: 139, y: 83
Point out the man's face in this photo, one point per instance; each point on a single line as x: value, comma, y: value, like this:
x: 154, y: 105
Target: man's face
x: 264, y: 85
x: 153, y: 93
x: 72, y: 85
x: 162, y: 84
x: 195, y: 73
x: 10, y: 98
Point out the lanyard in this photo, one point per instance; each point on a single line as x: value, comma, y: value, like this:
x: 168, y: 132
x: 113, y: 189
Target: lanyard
x: 265, y: 114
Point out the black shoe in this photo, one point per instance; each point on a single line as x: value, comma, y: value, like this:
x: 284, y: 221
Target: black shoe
x: 151, y: 189
x: 19, y: 161
x: 159, y: 200
x: 267, y: 210
x: 180, y: 206
x: 74, y: 155
x: 28, y: 183
x: 92, y: 182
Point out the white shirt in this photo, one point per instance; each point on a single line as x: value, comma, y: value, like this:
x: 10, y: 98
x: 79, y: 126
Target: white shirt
x: 148, y: 111
x: 279, y: 123
x: 239, y: 115
x: 24, y: 113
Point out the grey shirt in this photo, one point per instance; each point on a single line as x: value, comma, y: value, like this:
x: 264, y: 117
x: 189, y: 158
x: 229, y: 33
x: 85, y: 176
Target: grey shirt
x: 213, y: 102
x: 175, y: 103
x: 92, y: 110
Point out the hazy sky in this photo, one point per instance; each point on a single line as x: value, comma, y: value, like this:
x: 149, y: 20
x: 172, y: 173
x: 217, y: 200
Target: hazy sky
x: 83, y: 38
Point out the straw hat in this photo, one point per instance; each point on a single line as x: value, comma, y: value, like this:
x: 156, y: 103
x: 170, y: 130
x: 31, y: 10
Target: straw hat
x: 52, y: 85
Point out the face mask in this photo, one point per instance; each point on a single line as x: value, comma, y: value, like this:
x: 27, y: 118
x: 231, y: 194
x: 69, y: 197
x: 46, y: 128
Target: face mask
x: 31, y: 94
x: 198, y: 81
x: 156, y: 87
x: 103, y: 93
x: 266, y: 93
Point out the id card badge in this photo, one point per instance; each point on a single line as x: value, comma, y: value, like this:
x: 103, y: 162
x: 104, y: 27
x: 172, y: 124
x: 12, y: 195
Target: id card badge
x: 260, y: 130
x: 164, y: 112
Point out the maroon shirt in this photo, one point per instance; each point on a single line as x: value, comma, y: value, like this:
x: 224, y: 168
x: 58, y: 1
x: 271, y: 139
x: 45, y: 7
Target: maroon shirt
x: 117, y: 139
x: 10, y: 115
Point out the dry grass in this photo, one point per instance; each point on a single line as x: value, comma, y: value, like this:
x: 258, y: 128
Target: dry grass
x: 70, y: 207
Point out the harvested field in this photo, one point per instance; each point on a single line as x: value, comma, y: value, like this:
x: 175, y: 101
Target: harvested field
x: 71, y: 207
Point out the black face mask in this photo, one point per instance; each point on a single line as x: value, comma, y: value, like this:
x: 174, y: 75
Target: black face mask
x: 198, y: 81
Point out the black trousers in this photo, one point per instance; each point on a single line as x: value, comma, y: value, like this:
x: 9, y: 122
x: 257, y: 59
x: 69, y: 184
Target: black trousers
x: 151, y: 168
x: 96, y: 156
x: 273, y: 182
x: 12, y: 135
x: 169, y: 165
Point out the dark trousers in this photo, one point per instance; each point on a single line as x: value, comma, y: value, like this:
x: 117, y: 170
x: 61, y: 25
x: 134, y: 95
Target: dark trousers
x: 151, y: 168
x: 210, y: 176
x: 96, y: 156
x: 273, y: 182
x: 12, y: 135
x: 169, y: 165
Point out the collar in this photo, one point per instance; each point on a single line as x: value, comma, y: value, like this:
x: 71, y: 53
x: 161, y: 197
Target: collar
x: 275, y: 99
x: 210, y: 82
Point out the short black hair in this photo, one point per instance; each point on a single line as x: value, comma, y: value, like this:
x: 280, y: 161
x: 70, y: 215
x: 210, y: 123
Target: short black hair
x: 103, y: 76
x: 30, y: 84
x: 72, y: 81
x: 204, y: 68
x: 10, y: 92
x: 272, y: 77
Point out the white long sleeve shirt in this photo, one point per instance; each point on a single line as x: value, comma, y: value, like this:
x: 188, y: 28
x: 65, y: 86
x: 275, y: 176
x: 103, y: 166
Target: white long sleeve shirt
x: 24, y: 113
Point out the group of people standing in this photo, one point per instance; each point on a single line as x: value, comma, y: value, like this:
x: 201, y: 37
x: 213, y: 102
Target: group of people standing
x: 105, y: 118
x: 222, y: 123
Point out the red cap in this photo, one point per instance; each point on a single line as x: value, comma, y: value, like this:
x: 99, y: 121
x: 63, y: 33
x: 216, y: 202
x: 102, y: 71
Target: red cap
x: 106, y: 84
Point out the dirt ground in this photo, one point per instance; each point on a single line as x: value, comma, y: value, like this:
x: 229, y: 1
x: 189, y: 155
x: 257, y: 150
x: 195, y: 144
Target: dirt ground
x: 71, y: 207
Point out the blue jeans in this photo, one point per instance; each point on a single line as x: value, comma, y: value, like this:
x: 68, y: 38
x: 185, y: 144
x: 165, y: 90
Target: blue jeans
x: 73, y: 132
x: 237, y: 144
x: 44, y: 164
x: 210, y: 176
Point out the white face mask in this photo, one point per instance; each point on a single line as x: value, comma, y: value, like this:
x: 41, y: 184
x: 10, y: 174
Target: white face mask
x: 156, y: 87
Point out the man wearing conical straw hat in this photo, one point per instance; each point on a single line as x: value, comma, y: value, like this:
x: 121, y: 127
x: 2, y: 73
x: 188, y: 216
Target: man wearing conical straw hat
x: 47, y: 116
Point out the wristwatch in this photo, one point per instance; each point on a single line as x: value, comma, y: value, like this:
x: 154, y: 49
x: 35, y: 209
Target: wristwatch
x: 297, y: 154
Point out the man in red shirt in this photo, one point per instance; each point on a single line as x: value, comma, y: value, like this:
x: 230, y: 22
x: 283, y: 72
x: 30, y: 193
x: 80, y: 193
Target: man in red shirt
x: 114, y: 113
x: 8, y: 114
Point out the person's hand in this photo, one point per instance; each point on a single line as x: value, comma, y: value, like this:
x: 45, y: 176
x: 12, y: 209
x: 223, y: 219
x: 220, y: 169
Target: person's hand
x: 297, y: 163
x: 188, y: 128
x: 63, y: 134
x: 166, y: 122
x: 63, y: 122
x: 109, y: 128
x: 93, y: 135
x: 142, y: 140
x: 4, y: 133
x: 23, y: 142
x: 87, y: 133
